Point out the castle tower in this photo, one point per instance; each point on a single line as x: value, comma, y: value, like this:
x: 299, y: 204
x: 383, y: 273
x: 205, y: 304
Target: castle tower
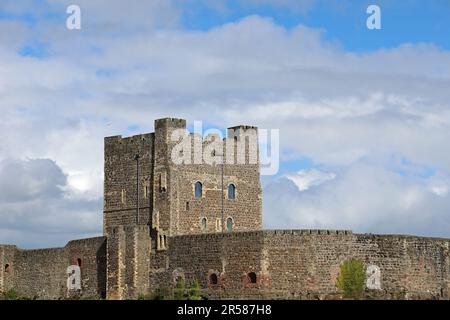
x: 128, y: 205
x: 217, y: 196
x: 165, y: 191
x: 143, y: 186
x: 149, y: 197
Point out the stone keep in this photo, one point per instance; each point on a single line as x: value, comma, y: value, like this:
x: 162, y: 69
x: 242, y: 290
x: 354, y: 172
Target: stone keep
x: 166, y: 191
x: 145, y: 190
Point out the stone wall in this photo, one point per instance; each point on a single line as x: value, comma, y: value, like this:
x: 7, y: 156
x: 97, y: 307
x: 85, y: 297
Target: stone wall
x: 244, y: 210
x: 41, y: 273
x: 128, y: 262
x: 409, y: 267
x: 304, y: 264
x: 7, y: 267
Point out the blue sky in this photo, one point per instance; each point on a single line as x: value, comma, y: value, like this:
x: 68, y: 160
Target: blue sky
x: 363, y: 115
x: 343, y: 21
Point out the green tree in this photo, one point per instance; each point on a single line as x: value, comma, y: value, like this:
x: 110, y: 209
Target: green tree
x: 351, y: 278
x: 179, y: 291
x: 194, y: 291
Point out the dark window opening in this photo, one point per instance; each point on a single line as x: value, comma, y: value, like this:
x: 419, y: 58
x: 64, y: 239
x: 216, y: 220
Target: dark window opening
x: 231, y: 192
x: 213, y: 279
x: 79, y: 262
x: 187, y: 205
x: 252, y: 277
x: 198, y: 190
x: 204, y: 223
x: 7, y: 268
x: 229, y: 224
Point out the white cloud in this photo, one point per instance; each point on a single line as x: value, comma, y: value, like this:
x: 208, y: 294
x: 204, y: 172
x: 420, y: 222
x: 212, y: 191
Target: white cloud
x: 307, y: 178
x: 363, y: 198
x: 37, y: 208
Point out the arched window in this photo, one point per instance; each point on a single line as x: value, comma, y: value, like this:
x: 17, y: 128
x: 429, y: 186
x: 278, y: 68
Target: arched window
x: 204, y: 224
x: 213, y: 279
x: 252, y: 277
x: 198, y: 189
x: 231, y: 191
x: 79, y: 262
x: 230, y: 224
x: 7, y: 269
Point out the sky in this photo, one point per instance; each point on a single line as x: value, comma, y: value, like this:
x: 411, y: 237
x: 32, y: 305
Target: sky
x: 364, y: 115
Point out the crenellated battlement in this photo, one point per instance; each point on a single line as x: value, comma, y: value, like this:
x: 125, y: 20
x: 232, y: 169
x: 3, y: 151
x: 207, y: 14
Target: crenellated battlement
x: 241, y: 131
x: 123, y: 142
x: 170, y: 123
x: 257, y: 233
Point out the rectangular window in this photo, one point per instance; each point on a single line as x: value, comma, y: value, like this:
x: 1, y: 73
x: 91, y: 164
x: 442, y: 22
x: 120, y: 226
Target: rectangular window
x: 124, y: 196
x: 163, y: 182
x: 187, y: 205
x: 146, y: 192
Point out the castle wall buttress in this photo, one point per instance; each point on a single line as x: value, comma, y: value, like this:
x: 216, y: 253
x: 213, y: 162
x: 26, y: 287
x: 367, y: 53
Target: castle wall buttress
x: 165, y: 211
x: 128, y: 250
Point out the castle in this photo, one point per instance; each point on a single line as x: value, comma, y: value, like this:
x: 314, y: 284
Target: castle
x: 164, y: 222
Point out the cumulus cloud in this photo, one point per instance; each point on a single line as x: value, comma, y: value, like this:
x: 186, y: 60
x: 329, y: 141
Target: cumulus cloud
x: 337, y: 108
x: 363, y: 197
x: 38, y: 208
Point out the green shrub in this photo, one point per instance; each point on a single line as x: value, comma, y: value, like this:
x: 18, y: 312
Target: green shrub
x: 143, y: 296
x: 351, y: 278
x: 194, y: 291
x: 179, y: 291
x: 11, y: 294
x: 162, y: 293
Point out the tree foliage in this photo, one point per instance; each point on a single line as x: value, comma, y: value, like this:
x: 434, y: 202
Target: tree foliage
x: 351, y: 278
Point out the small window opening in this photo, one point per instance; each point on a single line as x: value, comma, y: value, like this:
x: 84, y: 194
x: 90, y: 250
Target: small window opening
x: 252, y: 277
x: 198, y: 190
x: 229, y: 224
x: 213, y: 279
x: 124, y: 196
x: 231, y: 192
x: 204, y: 224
